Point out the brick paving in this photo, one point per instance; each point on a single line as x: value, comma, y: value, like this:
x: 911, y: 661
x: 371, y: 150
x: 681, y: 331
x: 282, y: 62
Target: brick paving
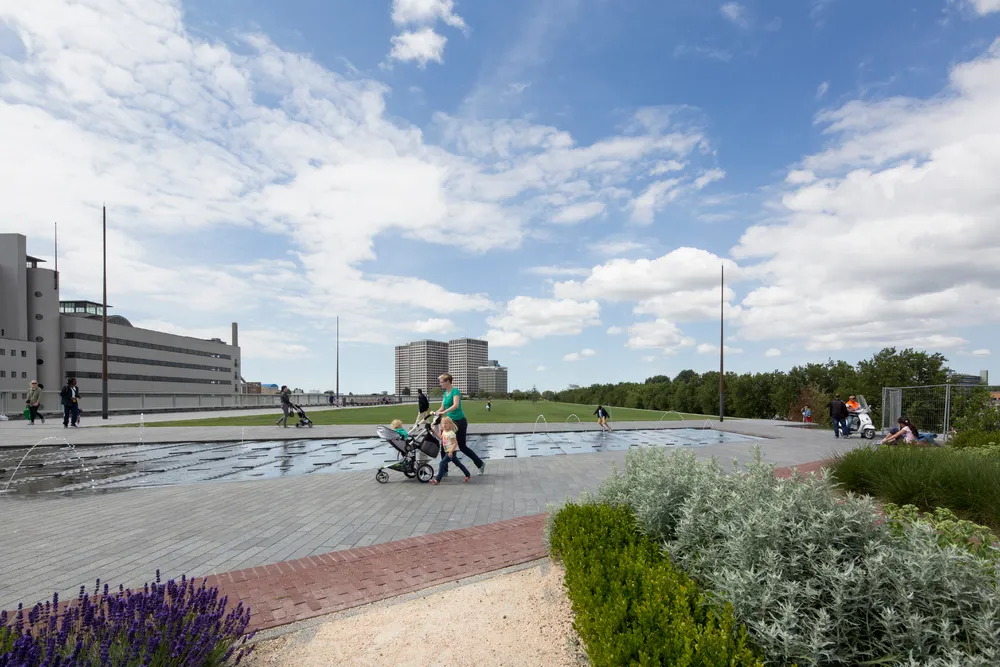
x: 304, y: 588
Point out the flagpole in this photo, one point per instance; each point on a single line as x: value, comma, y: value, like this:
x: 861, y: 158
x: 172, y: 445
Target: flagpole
x: 337, y: 388
x: 104, y: 374
x: 722, y: 346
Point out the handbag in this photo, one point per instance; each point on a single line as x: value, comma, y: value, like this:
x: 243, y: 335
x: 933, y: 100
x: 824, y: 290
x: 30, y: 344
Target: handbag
x: 27, y: 412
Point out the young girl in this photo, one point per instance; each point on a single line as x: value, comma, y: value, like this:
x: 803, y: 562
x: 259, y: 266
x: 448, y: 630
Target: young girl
x: 448, y: 435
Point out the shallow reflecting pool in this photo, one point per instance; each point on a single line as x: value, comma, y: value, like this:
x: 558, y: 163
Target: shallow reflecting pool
x: 61, y: 469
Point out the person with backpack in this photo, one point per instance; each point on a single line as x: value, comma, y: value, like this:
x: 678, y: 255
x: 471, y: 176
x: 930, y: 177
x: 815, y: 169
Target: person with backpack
x: 70, y: 397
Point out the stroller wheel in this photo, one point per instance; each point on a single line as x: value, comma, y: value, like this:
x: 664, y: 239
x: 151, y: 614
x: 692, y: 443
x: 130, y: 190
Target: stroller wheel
x: 381, y: 477
x: 410, y: 472
x: 425, y: 473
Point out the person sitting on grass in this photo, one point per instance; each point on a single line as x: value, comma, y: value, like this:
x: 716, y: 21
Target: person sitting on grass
x: 448, y: 435
x: 907, y: 431
x: 397, y: 426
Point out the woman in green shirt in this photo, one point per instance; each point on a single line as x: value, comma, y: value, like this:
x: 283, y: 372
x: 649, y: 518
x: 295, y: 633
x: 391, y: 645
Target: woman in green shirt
x: 451, y: 406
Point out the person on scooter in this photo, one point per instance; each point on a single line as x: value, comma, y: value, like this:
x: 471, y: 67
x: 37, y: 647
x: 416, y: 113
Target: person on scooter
x: 852, y: 408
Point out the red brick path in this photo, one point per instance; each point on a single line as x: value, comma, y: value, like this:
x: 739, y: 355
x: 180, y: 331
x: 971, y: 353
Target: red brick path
x: 300, y: 589
x: 805, y: 468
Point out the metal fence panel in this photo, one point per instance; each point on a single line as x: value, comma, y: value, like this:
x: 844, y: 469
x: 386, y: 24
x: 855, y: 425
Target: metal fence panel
x: 939, y: 409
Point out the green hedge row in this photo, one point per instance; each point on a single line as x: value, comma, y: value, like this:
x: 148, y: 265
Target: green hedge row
x: 631, y: 605
x: 974, y: 439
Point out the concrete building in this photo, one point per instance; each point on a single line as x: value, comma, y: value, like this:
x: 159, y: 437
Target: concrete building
x: 50, y: 340
x: 465, y: 357
x: 492, y: 378
x: 418, y: 365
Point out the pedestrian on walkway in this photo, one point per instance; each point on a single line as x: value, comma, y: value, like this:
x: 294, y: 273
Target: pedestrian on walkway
x: 807, y: 415
x: 33, y: 402
x: 423, y: 405
x: 451, y: 406
x: 286, y: 406
x: 839, y: 415
x: 70, y: 397
x: 448, y: 436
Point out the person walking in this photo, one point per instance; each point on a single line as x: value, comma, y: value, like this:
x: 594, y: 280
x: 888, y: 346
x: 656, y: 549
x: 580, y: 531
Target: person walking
x: 489, y: 405
x: 839, y: 415
x: 602, y: 418
x: 423, y: 405
x: 807, y: 415
x: 449, y: 445
x: 70, y: 398
x: 451, y: 406
x: 34, y: 399
x: 286, y: 406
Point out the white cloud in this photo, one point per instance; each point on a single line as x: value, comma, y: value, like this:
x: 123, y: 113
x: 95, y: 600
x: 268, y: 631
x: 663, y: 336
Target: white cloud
x: 615, y: 331
x: 540, y: 369
x: 916, y: 176
x: 649, y: 359
x: 680, y: 270
x: 421, y: 46
x: 434, y: 325
x: 665, y: 167
x: 426, y: 12
x: 578, y: 356
x: 772, y: 353
x: 800, y: 177
x: 527, y: 318
x: 254, y: 343
x: 578, y: 213
x: 981, y: 353
x: 610, y: 248
x: 709, y: 177
x: 984, y: 7
x: 662, y: 334
x: 822, y: 90
x: 654, y: 199
x: 736, y: 14
x: 558, y: 271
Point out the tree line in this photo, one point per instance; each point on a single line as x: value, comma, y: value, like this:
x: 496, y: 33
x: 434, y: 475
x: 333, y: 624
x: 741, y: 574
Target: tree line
x: 769, y: 395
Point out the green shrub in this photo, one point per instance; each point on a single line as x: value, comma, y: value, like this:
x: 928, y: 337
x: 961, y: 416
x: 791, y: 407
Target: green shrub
x: 814, y: 576
x: 951, y: 531
x: 631, y: 606
x: 966, y: 482
x: 974, y: 439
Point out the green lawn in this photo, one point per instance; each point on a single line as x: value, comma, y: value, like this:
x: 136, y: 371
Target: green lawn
x: 504, y: 412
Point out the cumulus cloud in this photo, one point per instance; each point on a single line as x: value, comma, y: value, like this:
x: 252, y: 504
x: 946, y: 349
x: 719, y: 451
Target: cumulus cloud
x: 528, y: 318
x: 578, y: 356
x: 540, y: 369
x: 772, y: 353
x: 984, y: 7
x: 736, y: 14
x: 614, y: 331
x: 661, y: 334
x: 434, y: 325
x: 578, y: 213
x: 912, y: 175
x: 420, y: 46
x: 406, y: 12
x: 981, y: 353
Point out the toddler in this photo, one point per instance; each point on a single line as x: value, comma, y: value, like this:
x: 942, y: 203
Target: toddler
x: 448, y: 435
x: 397, y: 426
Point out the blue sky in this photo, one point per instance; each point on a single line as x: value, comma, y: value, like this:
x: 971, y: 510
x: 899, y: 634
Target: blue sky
x: 563, y: 177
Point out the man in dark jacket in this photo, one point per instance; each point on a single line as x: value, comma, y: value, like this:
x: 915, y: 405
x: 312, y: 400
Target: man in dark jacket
x: 423, y: 405
x: 70, y: 398
x: 839, y: 415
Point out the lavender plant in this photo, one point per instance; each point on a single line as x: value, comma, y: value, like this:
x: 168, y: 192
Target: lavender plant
x: 172, y: 624
x: 815, y: 576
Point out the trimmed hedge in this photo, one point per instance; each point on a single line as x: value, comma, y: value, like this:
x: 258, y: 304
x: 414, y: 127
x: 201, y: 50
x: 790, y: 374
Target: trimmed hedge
x: 631, y: 606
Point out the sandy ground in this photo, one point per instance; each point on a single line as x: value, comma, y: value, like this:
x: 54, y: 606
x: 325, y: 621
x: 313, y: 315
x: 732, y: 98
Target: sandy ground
x: 518, y: 619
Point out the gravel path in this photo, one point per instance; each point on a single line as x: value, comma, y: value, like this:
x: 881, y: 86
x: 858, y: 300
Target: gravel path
x: 509, y: 620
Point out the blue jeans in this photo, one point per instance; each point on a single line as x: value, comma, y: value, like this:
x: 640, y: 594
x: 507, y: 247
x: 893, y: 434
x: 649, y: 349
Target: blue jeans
x: 443, y: 466
x: 71, y: 411
x: 840, y: 426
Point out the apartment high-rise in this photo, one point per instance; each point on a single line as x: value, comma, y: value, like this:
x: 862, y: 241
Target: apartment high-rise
x: 492, y: 378
x: 465, y: 356
x: 419, y: 364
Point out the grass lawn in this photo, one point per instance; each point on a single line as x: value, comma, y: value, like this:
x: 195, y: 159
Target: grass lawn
x: 504, y: 412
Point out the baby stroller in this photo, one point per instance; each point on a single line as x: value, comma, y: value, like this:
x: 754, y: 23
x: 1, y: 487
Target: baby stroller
x: 421, y: 442
x: 304, y: 420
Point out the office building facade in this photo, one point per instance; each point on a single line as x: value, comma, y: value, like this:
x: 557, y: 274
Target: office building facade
x: 492, y: 378
x: 465, y: 357
x: 45, y: 339
x: 419, y: 364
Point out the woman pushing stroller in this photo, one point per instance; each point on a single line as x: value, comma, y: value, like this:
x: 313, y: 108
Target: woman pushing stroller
x: 451, y: 407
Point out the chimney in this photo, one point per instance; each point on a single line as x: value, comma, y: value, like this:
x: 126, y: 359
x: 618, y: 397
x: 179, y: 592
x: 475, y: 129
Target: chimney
x: 236, y: 335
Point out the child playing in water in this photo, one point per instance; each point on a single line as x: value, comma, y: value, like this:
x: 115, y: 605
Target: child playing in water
x: 448, y: 435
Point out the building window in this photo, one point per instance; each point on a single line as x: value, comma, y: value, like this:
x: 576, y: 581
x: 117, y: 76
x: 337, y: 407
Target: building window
x: 24, y: 375
x: 2, y: 352
x: 24, y: 353
x: 144, y: 378
x: 13, y: 353
x: 39, y: 339
x: 3, y: 374
x: 39, y: 361
x: 38, y: 293
x: 148, y: 346
x: 38, y: 316
x: 146, y: 362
